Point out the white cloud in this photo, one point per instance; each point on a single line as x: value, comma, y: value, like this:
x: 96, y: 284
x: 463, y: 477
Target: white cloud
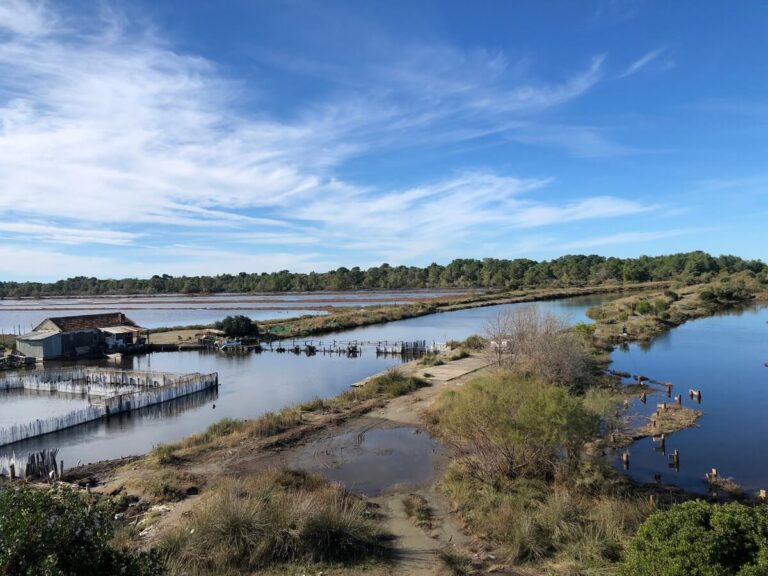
x: 67, y: 235
x: 642, y: 62
x: 628, y: 238
x: 28, y: 18
x: 110, y: 136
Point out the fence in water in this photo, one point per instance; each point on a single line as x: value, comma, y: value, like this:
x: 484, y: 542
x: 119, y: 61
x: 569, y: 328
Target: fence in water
x: 122, y: 391
x: 350, y: 348
x: 41, y: 464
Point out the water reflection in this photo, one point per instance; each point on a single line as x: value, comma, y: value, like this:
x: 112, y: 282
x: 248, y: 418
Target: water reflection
x: 252, y: 384
x: 722, y: 358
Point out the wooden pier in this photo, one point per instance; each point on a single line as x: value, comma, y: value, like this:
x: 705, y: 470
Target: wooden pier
x: 119, y: 391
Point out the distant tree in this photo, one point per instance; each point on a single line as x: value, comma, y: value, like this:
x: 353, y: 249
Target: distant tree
x: 238, y: 327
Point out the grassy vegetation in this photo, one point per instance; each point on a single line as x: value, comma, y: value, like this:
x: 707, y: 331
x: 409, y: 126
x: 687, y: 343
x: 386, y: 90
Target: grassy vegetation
x: 166, y: 484
x: 275, y: 519
x: 431, y: 360
x: 642, y: 316
x: 525, y: 479
x: 417, y: 508
x: 670, y: 419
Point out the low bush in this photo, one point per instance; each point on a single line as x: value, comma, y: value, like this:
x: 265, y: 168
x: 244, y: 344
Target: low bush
x: 506, y: 425
x: 701, y: 539
x: 431, y: 360
x: 57, y: 533
x: 391, y: 384
x: 460, y: 354
x: 271, y: 520
x: 475, y: 342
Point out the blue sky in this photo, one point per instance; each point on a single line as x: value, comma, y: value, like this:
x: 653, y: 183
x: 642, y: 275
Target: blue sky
x: 195, y: 137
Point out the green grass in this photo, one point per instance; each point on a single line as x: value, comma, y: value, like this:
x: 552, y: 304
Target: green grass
x: 391, y: 384
x: 278, y: 518
x: 431, y: 360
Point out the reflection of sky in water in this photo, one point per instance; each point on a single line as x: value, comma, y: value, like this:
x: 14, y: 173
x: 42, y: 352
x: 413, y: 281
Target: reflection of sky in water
x: 180, y: 310
x: 373, y: 461
x: 22, y: 406
x: 724, y: 357
x: 252, y: 384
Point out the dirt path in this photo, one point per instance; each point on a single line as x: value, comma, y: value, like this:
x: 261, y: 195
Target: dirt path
x: 382, y: 455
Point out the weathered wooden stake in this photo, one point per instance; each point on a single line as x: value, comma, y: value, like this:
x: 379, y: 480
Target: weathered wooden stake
x: 625, y: 460
x: 679, y: 399
x: 13, y: 471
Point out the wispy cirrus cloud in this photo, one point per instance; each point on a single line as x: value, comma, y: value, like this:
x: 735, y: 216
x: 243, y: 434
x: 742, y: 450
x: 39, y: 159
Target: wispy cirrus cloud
x: 110, y: 136
x: 642, y: 62
x: 629, y: 238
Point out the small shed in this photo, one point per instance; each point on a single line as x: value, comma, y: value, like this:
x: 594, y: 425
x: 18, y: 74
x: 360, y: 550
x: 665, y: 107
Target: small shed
x: 72, y: 336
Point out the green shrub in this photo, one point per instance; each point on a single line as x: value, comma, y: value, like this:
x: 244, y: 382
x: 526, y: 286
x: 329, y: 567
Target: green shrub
x: 238, y: 327
x: 701, y: 539
x: 643, y: 307
x: 460, y: 354
x: 474, y: 342
x: 505, y: 426
x: 56, y: 533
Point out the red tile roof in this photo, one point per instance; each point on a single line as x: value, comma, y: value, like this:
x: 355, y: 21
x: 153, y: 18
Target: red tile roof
x: 91, y: 321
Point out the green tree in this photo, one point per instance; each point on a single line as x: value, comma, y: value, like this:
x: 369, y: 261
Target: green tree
x: 238, y: 327
x: 701, y: 539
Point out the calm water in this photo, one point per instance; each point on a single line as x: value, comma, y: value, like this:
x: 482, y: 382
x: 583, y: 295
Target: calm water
x: 252, y: 384
x: 373, y: 461
x: 724, y: 357
x: 181, y: 310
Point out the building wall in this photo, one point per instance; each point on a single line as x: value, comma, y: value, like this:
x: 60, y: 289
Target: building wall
x: 71, y: 341
x: 44, y: 349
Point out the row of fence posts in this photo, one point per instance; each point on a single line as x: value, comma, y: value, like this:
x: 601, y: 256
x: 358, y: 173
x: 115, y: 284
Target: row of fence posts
x: 40, y: 464
x: 176, y: 386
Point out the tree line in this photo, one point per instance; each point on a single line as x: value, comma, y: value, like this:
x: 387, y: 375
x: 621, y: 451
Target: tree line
x: 488, y: 273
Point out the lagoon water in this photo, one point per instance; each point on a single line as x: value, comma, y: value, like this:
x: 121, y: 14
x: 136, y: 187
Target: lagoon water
x: 724, y: 357
x: 22, y: 314
x: 252, y: 384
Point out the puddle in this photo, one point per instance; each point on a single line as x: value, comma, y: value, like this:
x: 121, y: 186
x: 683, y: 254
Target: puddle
x: 375, y: 461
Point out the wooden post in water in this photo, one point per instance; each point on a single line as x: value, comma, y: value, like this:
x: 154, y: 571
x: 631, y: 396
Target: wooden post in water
x: 679, y: 399
x: 669, y: 389
x: 675, y: 457
x: 13, y: 471
x: 625, y: 460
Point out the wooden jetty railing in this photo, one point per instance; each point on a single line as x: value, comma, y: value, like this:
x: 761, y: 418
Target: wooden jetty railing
x: 350, y: 348
x: 125, y: 391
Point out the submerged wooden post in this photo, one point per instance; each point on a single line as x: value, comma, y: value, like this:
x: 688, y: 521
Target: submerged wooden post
x: 675, y: 457
x: 13, y: 471
x: 669, y: 389
x: 625, y: 460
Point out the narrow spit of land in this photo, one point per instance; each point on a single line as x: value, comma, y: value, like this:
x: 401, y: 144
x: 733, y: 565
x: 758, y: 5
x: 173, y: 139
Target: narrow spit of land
x: 346, y: 318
